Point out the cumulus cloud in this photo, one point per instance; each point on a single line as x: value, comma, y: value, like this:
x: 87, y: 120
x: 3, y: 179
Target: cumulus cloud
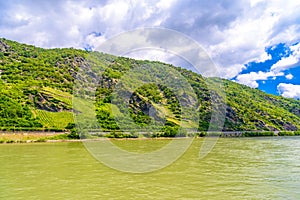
x: 289, y: 90
x: 285, y: 63
x: 70, y: 23
x: 290, y: 61
x: 256, y: 28
x: 251, y: 78
x: 49, y: 23
x: 233, y: 32
x: 289, y: 76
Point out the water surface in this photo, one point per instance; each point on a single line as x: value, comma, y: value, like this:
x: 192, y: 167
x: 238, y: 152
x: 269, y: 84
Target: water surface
x: 247, y: 168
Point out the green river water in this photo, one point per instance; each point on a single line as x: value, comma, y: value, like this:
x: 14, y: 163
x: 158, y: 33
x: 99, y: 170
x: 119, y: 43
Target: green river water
x: 236, y: 168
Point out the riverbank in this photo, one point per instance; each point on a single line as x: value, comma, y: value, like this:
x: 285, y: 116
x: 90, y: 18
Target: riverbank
x: 32, y: 136
x: 41, y: 136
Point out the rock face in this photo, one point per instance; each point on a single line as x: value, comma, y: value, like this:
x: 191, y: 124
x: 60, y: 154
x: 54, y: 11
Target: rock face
x: 290, y: 127
x: 47, y: 102
x: 3, y: 46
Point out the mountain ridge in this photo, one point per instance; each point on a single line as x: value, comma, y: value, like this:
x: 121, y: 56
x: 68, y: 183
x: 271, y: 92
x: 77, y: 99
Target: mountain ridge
x: 37, y: 86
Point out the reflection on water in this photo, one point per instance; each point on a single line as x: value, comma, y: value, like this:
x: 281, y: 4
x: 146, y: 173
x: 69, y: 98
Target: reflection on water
x: 247, y: 168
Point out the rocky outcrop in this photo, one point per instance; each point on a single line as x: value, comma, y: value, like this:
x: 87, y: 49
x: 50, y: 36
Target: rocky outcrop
x: 46, y: 102
x: 3, y: 46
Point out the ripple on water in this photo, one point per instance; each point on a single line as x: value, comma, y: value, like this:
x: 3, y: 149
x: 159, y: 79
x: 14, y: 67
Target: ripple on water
x: 237, y: 168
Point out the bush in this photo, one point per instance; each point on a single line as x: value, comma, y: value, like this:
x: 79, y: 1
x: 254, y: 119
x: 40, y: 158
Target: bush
x: 58, y: 137
x: 56, y: 129
x: 286, y: 133
x: 41, y: 140
x: 170, y: 131
x: 201, y: 134
x: 297, y: 133
x: 73, y: 134
x: 121, y: 135
x: 70, y: 126
x: 258, y: 134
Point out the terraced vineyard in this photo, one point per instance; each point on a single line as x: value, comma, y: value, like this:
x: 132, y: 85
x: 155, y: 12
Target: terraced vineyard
x: 59, y: 95
x: 57, y: 120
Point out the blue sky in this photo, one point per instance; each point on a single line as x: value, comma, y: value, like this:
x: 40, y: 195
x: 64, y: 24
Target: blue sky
x: 252, y: 42
x: 279, y: 74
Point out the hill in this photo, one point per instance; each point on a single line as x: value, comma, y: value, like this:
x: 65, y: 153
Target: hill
x: 37, y: 87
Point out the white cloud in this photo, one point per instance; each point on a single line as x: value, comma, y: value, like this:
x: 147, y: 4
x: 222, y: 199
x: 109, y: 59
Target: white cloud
x: 289, y: 90
x: 278, y: 68
x: 238, y: 32
x: 251, y: 78
x: 164, y: 5
x: 290, y: 61
x: 233, y: 32
x: 50, y: 24
x: 255, y: 2
x: 289, y: 76
x: 152, y: 54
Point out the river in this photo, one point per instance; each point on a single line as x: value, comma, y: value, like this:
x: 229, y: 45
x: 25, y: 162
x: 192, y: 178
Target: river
x: 236, y: 168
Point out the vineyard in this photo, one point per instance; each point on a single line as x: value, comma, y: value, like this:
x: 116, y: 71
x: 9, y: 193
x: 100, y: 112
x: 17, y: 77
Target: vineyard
x: 57, y: 120
x: 59, y: 95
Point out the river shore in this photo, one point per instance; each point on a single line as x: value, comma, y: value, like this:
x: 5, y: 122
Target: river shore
x: 8, y: 137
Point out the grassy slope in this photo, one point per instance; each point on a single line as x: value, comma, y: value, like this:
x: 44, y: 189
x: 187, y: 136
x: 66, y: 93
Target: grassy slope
x: 36, y: 89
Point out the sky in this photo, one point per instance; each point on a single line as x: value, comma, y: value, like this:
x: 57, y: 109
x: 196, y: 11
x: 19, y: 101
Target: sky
x: 252, y: 42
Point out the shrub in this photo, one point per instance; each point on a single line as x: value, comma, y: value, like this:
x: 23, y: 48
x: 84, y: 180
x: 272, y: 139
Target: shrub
x: 41, y: 140
x: 58, y: 137
x: 201, y: 134
x: 70, y: 126
x: 258, y: 134
x: 73, y: 134
x: 297, y: 132
x: 286, y: 133
x: 121, y: 135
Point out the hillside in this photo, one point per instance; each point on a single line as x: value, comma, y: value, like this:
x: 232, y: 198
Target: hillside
x: 37, y: 88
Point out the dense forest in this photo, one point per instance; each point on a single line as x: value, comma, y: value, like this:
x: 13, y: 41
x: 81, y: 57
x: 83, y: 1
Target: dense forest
x: 37, y: 87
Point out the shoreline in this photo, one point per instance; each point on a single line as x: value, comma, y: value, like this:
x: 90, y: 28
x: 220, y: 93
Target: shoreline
x: 42, y: 137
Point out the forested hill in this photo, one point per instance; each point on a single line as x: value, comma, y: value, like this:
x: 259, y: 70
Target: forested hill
x: 36, y: 88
